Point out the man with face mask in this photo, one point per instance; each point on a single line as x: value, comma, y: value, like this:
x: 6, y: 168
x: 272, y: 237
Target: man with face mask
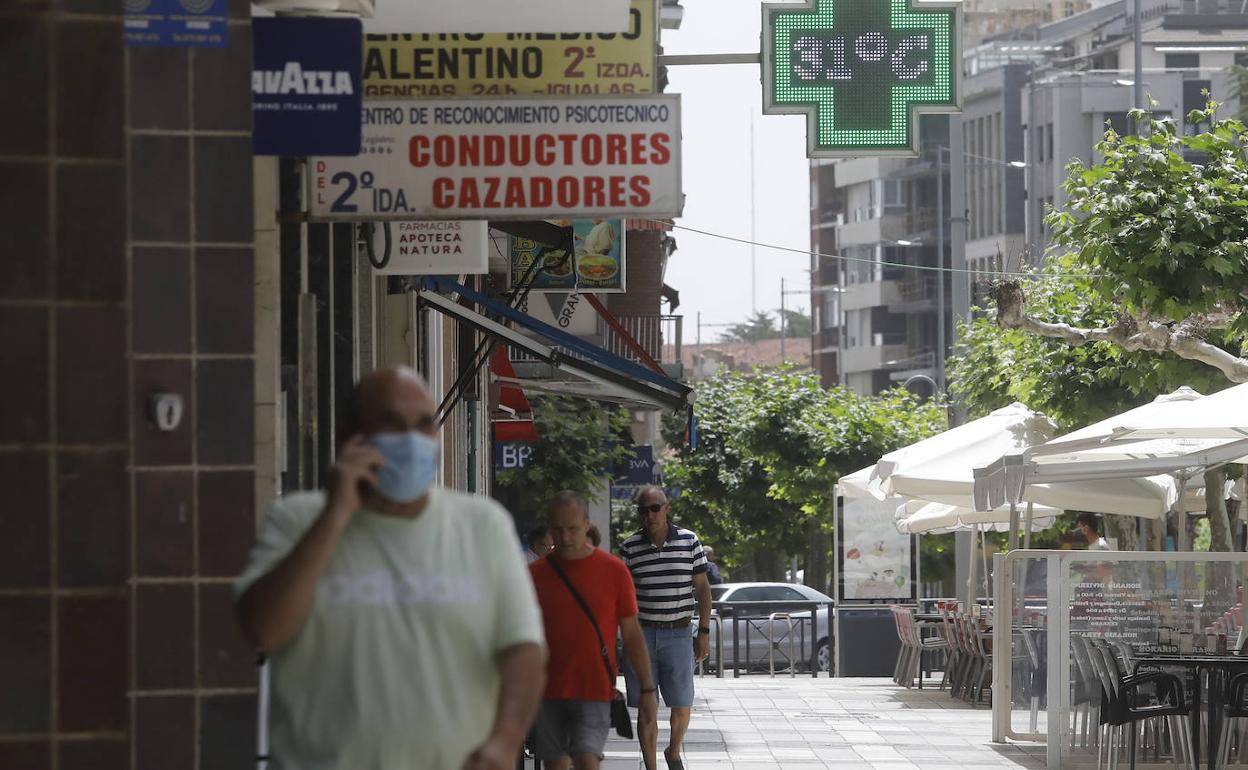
x: 402, y: 630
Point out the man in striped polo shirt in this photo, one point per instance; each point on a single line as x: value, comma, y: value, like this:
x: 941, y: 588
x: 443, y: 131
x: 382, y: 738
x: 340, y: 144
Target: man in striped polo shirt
x: 669, y: 571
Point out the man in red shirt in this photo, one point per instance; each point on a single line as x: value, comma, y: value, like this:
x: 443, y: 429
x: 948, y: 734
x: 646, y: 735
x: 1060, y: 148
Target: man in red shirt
x: 575, y: 717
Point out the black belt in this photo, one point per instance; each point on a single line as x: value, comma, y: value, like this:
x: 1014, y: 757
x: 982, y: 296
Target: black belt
x: 683, y: 623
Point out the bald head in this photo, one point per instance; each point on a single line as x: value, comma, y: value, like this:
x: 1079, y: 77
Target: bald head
x: 390, y: 400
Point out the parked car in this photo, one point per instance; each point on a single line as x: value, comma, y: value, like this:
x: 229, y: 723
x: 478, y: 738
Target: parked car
x: 762, y: 631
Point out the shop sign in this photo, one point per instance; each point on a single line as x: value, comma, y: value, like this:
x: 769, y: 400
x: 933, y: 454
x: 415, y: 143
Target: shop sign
x: 445, y: 247
x: 515, y: 64
x: 497, y: 16
x: 305, y: 86
x: 596, y: 264
x: 527, y: 158
x: 570, y: 312
x: 512, y: 455
x: 176, y: 23
x: 861, y: 71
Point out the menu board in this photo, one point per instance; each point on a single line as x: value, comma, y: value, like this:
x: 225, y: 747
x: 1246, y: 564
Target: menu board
x: 875, y: 562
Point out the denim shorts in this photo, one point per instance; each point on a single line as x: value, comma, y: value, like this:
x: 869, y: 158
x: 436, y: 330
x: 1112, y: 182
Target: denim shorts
x: 566, y: 728
x: 671, y: 665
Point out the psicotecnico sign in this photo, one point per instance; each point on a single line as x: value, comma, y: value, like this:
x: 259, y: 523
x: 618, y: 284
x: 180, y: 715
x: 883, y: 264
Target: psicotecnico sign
x: 522, y: 158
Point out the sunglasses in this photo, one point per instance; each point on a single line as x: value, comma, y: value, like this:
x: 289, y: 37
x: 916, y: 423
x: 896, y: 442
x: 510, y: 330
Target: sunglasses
x: 654, y: 508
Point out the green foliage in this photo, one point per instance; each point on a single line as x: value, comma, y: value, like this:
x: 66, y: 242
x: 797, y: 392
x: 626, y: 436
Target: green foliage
x: 575, y: 447
x: 1161, y: 224
x: 763, y: 326
x: 772, y: 445
x: 1075, y: 386
x: 759, y: 326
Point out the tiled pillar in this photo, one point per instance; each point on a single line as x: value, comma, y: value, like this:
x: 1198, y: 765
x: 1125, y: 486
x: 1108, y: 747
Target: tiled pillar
x: 126, y: 267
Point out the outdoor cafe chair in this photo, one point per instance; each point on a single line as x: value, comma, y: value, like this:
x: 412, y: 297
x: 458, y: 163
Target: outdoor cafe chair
x: 916, y: 646
x: 1086, y: 702
x: 1236, y: 709
x: 981, y: 667
x: 1125, y: 704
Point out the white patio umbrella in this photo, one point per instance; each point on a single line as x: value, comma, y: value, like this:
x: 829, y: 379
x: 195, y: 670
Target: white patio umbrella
x: 1101, y: 468
x: 918, y: 517
x: 940, y: 469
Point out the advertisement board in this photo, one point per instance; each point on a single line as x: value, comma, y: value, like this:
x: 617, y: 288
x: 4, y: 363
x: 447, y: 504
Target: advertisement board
x: 597, y: 263
x: 176, y: 23
x: 515, y: 64
x: 527, y: 158
x: 875, y: 562
x: 305, y: 86
x: 446, y: 247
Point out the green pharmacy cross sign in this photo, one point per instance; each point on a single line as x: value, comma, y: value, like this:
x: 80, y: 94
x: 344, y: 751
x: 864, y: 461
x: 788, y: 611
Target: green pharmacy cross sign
x: 862, y: 71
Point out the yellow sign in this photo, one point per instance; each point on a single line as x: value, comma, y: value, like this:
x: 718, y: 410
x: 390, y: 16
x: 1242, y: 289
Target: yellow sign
x: 403, y: 66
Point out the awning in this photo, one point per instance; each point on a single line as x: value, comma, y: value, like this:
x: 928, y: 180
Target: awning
x: 599, y: 374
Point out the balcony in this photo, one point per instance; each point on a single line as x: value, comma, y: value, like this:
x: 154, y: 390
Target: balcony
x: 658, y: 335
x: 916, y: 293
x: 875, y: 356
x: 860, y: 296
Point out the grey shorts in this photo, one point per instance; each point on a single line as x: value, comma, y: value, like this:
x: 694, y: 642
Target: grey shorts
x: 566, y: 728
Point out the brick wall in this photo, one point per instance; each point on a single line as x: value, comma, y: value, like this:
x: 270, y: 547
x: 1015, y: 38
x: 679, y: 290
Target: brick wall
x: 126, y: 267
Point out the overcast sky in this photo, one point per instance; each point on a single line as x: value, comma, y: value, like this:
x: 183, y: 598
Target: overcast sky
x: 718, y: 103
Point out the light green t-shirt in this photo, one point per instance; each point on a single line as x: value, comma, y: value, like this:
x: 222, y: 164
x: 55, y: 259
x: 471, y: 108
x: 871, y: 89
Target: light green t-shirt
x: 394, y: 667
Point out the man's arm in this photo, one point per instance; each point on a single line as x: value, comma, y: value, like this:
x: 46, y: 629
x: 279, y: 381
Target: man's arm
x: 702, y: 590
x: 639, y: 659
x: 273, y: 609
x: 522, y: 669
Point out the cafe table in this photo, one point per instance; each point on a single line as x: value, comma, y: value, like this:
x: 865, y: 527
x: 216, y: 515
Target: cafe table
x: 1199, y: 663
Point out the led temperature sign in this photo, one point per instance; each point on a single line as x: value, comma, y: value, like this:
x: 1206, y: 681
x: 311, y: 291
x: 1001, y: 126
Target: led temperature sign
x: 862, y: 71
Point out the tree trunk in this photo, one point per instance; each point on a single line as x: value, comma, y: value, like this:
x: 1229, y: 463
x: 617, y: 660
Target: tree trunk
x: 1125, y: 529
x: 1215, y: 506
x: 1219, y: 577
x: 768, y: 565
x: 817, y: 546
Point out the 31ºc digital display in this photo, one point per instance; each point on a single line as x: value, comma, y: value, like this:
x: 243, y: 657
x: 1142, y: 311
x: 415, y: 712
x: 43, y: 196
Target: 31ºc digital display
x: 862, y: 70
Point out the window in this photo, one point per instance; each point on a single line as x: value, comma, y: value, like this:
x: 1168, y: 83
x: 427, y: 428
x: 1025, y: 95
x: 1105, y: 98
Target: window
x: 1182, y: 61
x: 1049, y: 152
x: 717, y: 593
x: 782, y: 594
x: 1194, y: 99
x: 1039, y: 144
x: 894, y: 193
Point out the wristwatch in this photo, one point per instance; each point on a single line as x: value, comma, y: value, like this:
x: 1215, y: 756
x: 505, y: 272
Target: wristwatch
x: 704, y: 630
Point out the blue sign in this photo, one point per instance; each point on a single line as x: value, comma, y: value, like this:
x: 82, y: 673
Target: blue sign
x: 305, y: 86
x: 639, y: 469
x: 176, y: 23
x: 512, y: 455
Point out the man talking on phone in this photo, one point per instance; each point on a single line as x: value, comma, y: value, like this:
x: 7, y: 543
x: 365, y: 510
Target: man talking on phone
x: 401, y: 626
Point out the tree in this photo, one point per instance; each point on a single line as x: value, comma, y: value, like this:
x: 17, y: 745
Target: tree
x: 762, y: 326
x: 1158, y: 231
x: 579, y: 442
x: 796, y: 324
x: 771, y: 446
x: 759, y: 326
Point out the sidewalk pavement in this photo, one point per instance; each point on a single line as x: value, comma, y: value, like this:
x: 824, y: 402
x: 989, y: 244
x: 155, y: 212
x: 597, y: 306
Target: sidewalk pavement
x: 760, y: 723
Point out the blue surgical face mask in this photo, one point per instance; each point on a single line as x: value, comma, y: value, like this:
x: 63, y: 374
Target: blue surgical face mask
x: 411, y: 464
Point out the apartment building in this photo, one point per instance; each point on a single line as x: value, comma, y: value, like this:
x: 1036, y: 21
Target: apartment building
x: 1033, y: 98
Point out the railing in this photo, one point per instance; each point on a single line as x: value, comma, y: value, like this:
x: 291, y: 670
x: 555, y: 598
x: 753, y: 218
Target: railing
x: 917, y: 289
x: 658, y: 335
x: 922, y: 359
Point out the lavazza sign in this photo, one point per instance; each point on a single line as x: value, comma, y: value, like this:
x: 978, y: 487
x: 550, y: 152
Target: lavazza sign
x: 526, y: 158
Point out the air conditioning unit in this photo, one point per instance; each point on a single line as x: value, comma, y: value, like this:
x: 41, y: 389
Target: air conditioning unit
x: 361, y: 8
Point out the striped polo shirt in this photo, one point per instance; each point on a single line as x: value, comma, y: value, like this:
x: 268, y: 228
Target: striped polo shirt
x: 664, y: 576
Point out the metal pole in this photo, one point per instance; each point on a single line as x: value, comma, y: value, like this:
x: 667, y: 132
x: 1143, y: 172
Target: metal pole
x: 1137, y: 90
x: 753, y: 238
x: 1027, y: 526
x: 782, y: 359
x: 1013, y: 526
x: 940, y: 264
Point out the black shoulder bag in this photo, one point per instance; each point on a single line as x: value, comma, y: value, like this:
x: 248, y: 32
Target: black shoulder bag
x: 620, y: 719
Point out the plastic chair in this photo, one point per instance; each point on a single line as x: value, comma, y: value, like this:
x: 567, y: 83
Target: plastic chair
x: 1125, y: 704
